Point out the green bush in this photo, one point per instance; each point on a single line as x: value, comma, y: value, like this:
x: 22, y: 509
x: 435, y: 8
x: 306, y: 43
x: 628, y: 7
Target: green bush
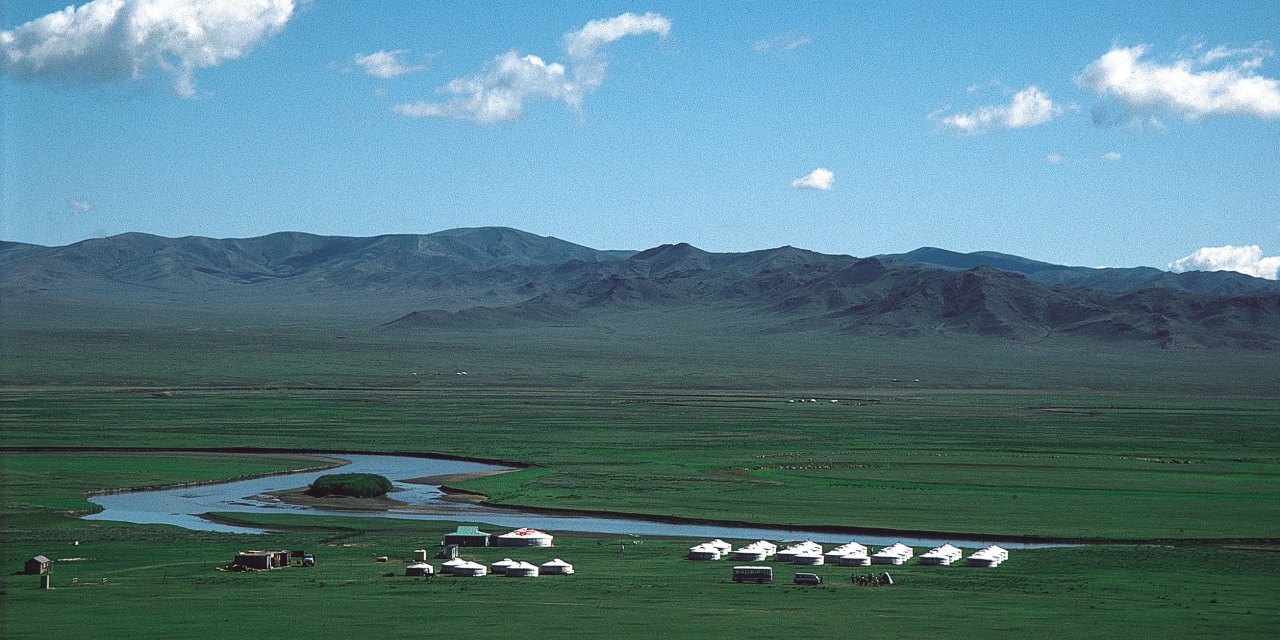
x: 355, y: 485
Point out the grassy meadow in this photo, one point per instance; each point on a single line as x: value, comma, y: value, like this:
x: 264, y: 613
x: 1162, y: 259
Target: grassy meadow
x: 1130, y: 445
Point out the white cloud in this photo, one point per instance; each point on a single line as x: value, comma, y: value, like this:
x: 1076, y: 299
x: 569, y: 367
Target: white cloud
x: 1112, y: 156
x: 820, y: 179
x: 385, y: 65
x: 106, y: 41
x: 1055, y: 158
x: 789, y: 41
x: 498, y: 92
x: 77, y: 205
x: 1027, y: 108
x: 1246, y: 259
x: 1218, y: 82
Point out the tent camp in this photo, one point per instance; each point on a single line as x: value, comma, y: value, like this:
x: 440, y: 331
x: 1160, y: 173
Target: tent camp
x: 944, y: 555
x: 522, y: 570
x: 470, y: 570
x: 501, y: 565
x: 989, y: 557
x: 556, y: 567
x: 419, y: 569
x: 525, y: 538
x: 448, y: 566
x: 704, y: 551
x: 896, y: 553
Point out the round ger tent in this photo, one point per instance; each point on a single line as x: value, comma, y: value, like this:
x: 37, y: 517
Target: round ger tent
x: 501, y: 565
x: 419, y: 569
x: 470, y: 570
x: 704, y: 551
x: 449, y: 565
x: 525, y: 538
x: 556, y: 567
x: 522, y: 570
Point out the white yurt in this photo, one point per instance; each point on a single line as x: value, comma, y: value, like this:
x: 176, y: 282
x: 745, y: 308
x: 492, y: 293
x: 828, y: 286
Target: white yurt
x: 989, y: 557
x: 704, y: 552
x: 723, y: 546
x: 522, y: 570
x: 449, y: 565
x: 419, y: 569
x: 556, y: 567
x: 896, y: 553
x: 470, y: 570
x: 750, y: 554
x: 944, y: 555
x: 419, y: 555
x: 854, y: 560
x: 501, y: 565
x: 812, y: 558
x: 525, y: 538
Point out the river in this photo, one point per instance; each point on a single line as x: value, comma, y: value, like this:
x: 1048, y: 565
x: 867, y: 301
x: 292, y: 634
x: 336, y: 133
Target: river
x: 184, y: 507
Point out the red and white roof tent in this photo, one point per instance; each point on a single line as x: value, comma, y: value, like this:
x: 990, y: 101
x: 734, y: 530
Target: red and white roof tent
x: 525, y: 537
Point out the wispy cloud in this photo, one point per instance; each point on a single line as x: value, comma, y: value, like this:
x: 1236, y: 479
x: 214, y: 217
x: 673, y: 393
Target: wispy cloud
x: 1028, y: 108
x: 819, y: 179
x: 1248, y: 260
x: 385, y: 65
x: 1217, y: 82
x: 76, y: 205
x: 498, y: 92
x: 1112, y: 156
x: 107, y: 41
x: 789, y: 41
x: 1055, y: 158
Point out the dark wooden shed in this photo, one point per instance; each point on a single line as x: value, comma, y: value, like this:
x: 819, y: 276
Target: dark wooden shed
x: 37, y: 566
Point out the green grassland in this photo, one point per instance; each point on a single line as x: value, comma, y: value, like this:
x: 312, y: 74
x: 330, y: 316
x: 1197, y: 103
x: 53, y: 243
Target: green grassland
x: 1115, y: 466
x: 998, y: 438
x: 161, y: 582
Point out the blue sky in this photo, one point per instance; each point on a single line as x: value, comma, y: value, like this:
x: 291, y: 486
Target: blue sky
x: 1094, y: 134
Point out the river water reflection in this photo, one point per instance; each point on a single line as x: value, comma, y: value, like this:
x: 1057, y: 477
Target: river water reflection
x: 184, y: 506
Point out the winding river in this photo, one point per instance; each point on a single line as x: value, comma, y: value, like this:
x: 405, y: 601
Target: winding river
x: 185, y: 506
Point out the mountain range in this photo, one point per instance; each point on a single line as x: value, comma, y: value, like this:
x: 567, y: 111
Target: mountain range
x: 494, y: 277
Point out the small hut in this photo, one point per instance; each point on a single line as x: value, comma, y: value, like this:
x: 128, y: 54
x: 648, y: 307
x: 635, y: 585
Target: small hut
x: 257, y: 560
x: 704, y: 551
x: 854, y: 560
x: 37, y: 566
x: 449, y: 565
x: 556, y: 567
x: 467, y: 537
x: 522, y: 570
x: 501, y: 565
x: 944, y: 555
x: 470, y: 570
x: 419, y: 569
x: 419, y: 555
x: 810, y: 558
x: 723, y: 546
x: 525, y: 537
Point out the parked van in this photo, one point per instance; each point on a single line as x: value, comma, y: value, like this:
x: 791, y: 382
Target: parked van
x: 808, y: 578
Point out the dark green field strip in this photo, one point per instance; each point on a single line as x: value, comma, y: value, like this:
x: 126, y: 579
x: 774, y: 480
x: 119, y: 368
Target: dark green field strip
x: 645, y: 592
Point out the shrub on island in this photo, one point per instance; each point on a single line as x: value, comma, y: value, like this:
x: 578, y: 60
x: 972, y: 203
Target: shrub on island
x: 355, y: 485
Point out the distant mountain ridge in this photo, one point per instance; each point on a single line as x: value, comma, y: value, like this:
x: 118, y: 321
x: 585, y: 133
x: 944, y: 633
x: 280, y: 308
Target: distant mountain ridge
x: 1114, y: 279
x: 494, y: 277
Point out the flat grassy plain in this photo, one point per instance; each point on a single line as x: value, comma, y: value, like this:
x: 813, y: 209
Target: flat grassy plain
x: 161, y: 582
x: 1050, y: 440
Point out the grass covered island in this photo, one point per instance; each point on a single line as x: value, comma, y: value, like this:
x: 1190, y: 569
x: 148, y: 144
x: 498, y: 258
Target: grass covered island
x: 350, y: 485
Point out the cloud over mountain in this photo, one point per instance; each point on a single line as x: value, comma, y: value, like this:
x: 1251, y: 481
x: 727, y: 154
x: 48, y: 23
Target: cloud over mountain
x: 1248, y: 260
